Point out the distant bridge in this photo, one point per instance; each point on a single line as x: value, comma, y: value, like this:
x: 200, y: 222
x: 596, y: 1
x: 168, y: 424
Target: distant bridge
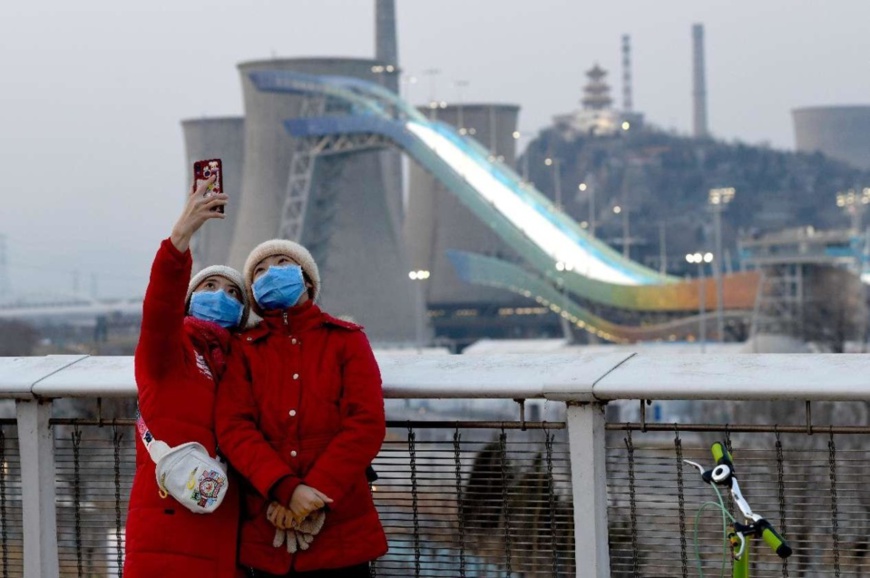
x: 67, y: 306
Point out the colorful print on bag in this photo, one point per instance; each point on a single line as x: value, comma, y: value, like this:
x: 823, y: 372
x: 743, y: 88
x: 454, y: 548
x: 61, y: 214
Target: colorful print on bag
x: 210, y: 484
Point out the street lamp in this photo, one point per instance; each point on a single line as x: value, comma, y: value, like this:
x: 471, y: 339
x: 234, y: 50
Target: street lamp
x: 419, y: 276
x: 460, y: 84
x: 408, y: 82
x: 562, y: 267
x: 557, y: 172
x: 700, y: 259
x: 854, y: 204
x: 590, y: 191
x: 588, y: 187
x: 718, y: 200
x: 432, y: 73
x: 523, y: 135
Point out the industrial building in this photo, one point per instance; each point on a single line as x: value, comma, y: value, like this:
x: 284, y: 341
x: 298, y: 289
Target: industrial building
x: 347, y: 207
x: 477, y: 250
x: 839, y: 132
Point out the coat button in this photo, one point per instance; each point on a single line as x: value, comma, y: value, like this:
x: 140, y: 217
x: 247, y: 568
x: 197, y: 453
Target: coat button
x: 292, y: 413
x: 295, y: 376
x: 250, y: 338
x: 293, y: 341
x: 293, y: 454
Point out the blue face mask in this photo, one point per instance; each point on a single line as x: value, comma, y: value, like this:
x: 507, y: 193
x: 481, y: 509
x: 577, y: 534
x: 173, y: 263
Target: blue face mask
x: 216, y: 306
x: 279, y: 287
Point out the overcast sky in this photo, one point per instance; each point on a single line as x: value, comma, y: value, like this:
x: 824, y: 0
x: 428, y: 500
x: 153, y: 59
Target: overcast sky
x: 92, y: 91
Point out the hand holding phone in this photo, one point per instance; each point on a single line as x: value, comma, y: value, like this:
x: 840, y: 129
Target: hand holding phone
x: 203, y: 171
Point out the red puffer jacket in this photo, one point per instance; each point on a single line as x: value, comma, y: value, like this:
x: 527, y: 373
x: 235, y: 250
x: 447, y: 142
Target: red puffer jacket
x: 177, y: 360
x: 304, y: 400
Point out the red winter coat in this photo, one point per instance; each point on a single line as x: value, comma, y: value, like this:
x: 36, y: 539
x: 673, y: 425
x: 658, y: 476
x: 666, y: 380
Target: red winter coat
x: 176, y: 360
x: 302, y: 398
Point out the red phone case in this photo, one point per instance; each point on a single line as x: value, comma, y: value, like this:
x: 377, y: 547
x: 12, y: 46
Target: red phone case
x: 202, y: 170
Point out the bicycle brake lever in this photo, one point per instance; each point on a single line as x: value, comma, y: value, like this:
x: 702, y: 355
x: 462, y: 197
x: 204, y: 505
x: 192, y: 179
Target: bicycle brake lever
x: 691, y: 463
x: 739, y: 553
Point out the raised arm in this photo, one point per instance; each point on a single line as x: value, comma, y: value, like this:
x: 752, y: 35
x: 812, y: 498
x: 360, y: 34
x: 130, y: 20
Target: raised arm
x: 362, y: 423
x: 160, y: 344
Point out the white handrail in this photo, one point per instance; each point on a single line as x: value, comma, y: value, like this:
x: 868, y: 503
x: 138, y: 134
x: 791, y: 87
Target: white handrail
x: 589, y: 379
x: 568, y: 377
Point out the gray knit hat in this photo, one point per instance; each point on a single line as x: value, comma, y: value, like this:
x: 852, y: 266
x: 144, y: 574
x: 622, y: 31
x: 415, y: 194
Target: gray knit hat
x: 282, y: 247
x: 230, y: 275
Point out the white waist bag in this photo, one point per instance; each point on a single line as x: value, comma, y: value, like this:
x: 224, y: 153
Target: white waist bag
x: 186, y: 472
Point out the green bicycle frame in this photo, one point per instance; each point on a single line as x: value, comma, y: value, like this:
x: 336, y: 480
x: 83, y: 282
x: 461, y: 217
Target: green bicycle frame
x: 741, y: 567
x: 756, y: 526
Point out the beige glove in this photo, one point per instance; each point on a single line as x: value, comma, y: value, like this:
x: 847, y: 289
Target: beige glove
x: 300, y: 535
x: 293, y: 539
x: 312, y: 524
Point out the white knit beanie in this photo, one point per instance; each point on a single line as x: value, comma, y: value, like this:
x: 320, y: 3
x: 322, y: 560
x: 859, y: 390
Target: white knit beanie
x: 282, y: 247
x: 230, y: 275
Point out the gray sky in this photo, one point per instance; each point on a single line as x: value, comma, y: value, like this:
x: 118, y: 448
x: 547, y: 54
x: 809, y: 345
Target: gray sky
x: 92, y: 91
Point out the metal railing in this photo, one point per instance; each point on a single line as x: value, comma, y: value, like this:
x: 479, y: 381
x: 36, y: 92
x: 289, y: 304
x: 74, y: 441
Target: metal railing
x: 470, y: 487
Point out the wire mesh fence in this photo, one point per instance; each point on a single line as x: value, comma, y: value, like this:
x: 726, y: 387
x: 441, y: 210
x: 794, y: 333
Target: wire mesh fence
x: 812, y: 488
x: 11, y: 536
x: 491, y: 499
x: 94, y: 473
x: 476, y: 502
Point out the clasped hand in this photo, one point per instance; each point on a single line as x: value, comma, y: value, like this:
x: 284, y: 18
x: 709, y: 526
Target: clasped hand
x: 298, y: 524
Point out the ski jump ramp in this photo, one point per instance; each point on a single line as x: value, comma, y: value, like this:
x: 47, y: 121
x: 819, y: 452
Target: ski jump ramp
x: 562, y: 261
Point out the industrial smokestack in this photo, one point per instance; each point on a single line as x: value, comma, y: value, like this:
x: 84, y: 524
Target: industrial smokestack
x: 626, y: 73
x: 386, y: 44
x: 699, y: 91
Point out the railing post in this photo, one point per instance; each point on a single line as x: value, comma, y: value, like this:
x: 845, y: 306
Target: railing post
x: 589, y: 486
x: 36, y: 444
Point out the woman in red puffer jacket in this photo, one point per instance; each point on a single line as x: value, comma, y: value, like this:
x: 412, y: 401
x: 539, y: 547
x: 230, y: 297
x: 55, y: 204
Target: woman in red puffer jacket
x: 300, y: 415
x: 181, y: 355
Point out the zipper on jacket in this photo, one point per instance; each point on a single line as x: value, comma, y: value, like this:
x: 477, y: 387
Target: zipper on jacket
x: 285, y: 318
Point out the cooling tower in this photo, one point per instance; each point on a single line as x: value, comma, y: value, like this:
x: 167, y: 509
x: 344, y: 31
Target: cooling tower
x: 222, y: 138
x: 436, y: 221
x: 839, y: 132
x: 353, y: 225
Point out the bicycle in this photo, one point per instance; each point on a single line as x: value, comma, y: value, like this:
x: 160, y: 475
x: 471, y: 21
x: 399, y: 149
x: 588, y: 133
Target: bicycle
x: 740, y: 534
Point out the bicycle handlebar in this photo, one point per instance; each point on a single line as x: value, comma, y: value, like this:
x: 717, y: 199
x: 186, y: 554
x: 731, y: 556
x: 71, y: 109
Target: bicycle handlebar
x: 773, y: 539
x: 721, y: 455
x: 761, y: 527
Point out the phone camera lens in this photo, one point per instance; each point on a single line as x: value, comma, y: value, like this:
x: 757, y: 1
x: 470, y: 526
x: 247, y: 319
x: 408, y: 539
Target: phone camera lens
x: 206, y: 173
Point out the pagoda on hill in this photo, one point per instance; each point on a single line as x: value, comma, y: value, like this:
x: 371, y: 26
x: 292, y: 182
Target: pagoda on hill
x: 596, y: 116
x: 596, y: 93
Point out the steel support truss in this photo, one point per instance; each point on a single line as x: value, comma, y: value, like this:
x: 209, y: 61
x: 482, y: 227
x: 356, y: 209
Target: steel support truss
x: 305, y: 153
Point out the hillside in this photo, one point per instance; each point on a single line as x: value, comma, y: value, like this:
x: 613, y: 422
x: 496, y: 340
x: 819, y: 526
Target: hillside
x: 664, y: 179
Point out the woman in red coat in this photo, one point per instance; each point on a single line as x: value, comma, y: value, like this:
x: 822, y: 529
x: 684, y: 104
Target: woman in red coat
x: 182, y: 352
x: 300, y: 415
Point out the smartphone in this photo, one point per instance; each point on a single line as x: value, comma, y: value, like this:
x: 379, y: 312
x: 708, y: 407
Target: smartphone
x: 203, y: 170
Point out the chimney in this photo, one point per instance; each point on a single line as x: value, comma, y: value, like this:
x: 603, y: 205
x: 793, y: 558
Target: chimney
x: 386, y: 44
x: 699, y: 88
x: 626, y: 73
